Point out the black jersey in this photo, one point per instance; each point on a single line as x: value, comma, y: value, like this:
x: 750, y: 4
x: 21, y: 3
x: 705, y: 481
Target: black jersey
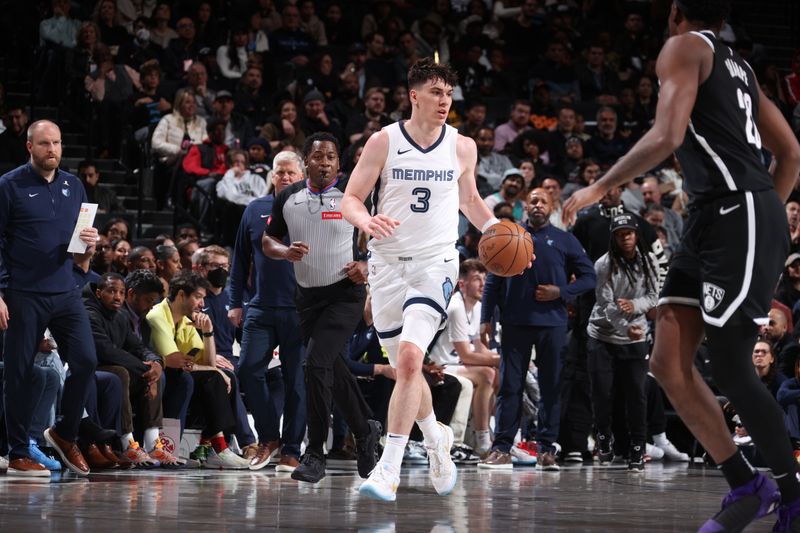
x: 721, y: 152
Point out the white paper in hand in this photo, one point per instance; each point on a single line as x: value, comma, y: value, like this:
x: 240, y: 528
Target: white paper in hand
x: 85, y: 220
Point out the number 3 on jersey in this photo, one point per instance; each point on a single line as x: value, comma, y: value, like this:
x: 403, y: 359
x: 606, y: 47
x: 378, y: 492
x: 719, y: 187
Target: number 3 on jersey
x: 750, y: 128
x: 423, y: 194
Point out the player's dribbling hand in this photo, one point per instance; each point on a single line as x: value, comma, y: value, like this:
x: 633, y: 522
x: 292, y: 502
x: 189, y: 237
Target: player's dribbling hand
x: 296, y: 251
x: 579, y: 199
x: 380, y: 226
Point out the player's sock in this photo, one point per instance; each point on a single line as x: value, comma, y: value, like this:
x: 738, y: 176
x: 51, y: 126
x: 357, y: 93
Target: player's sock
x: 393, y: 450
x: 150, y: 438
x: 430, y: 429
x: 483, y: 439
x: 737, y: 470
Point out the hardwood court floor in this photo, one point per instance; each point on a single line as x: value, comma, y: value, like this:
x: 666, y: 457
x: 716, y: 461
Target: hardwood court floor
x: 666, y: 497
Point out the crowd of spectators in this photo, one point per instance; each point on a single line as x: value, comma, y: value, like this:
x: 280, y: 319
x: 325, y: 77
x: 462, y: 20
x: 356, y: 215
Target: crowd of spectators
x: 218, y: 97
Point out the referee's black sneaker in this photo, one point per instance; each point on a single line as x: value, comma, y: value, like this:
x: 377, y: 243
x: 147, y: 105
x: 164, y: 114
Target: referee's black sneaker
x: 367, y: 449
x: 311, y: 469
x: 636, y: 458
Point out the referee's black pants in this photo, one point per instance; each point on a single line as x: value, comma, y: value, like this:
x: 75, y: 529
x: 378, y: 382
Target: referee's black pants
x: 328, y: 317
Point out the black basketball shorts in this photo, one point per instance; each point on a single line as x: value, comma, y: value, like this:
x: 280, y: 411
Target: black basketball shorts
x: 730, y: 257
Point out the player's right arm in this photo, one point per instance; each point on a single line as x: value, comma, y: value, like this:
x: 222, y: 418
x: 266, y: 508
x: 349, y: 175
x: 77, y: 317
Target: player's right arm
x: 778, y: 138
x: 362, y: 182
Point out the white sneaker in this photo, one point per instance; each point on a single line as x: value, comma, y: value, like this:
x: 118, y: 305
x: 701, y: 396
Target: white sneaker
x: 226, y: 460
x: 655, y: 453
x: 442, y: 468
x: 672, y: 453
x: 381, y: 484
x: 3, y: 463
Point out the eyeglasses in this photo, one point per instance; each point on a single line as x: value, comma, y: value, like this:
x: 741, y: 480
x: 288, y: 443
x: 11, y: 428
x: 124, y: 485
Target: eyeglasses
x: 214, y: 266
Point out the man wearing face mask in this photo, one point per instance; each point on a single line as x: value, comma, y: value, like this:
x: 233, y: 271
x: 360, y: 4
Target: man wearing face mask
x: 213, y: 264
x: 140, y: 49
x: 512, y: 184
x: 533, y: 312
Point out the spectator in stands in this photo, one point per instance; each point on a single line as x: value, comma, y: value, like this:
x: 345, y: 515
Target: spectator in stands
x: 197, y: 81
x: 284, y: 129
x: 400, y: 104
x: 573, y: 155
x: 627, y: 289
x: 338, y: 29
x: 528, y: 170
x: 522, y: 33
x: 766, y: 367
x: 311, y: 24
x: 556, y: 71
x: 257, y: 40
x: 634, y: 45
x: 519, y: 121
x: 160, y: 32
x: 186, y: 251
x: 12, y: 140
x: 673, y: 222
x: 139, y: 50
x: 347, y: 102
x: 491, y: 165
x: 460, y: 351
x: 151, y: 101
x: 238, y: 127
x: 606, y: 145
x: 474, y: 119
x: 260, y: 153
x: 207, y: 25
x: 121, y: 249
x: 112, y: 33
x: 141, y: 258
x: 553, y: 188
x: 213, y: 263
x: 533, y: 312
x: 122, y: 353
x: 646, y: 99
x: 105, y: 197
x: 103, y: 256
x: 187, y: 232
x: 793, y: 218
x: 557, y: 139
x: 405, y: 55
x: 131, y: 11
x: 80, y: 62
x: 116, y: 228
x: 249, y: 97
x: 271, y: 320
x: 530, y: 145
x: 788, y: 292
x: 789, y: 399
x: 232, y: 57
x: 60, y: 29
x: 374, y: 110
x: 784, y: 347
x: 632, y: 122
x: 182, y: 51
x: 237, y: 188
x: 510, y: 188
x: 168, y: 263
x: 175, y: 323
x: 597, y: 81
x: 290, y: 44
x: 315, y: 119
x: 378, y: 70
x: 472, y: 74
x: 174, y: 135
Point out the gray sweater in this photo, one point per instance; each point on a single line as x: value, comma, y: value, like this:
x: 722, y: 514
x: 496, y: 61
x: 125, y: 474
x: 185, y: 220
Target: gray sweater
x: 608, y: 323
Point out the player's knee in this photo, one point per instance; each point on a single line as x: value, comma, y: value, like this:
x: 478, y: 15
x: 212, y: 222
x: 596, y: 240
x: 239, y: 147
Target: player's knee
x: 409, y: 362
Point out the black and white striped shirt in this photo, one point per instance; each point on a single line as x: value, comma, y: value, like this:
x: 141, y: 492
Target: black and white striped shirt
x: 315, y: 217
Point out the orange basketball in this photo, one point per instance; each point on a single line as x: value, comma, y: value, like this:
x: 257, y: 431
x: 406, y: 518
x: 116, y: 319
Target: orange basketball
x: 505, y: 249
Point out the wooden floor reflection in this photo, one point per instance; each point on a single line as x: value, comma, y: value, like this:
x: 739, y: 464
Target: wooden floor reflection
x: 663, y: 498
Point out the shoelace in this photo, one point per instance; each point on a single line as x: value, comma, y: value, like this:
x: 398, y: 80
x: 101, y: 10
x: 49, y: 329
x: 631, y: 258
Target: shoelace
x: 437, y: 462
x: 382, y: 474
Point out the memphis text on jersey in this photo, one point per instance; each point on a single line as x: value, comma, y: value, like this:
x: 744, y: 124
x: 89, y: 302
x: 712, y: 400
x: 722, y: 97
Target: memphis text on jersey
x: 414, y: 174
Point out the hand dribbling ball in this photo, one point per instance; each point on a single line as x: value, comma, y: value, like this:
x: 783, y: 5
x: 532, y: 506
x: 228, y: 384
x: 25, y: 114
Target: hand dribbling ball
x: 505, y: 249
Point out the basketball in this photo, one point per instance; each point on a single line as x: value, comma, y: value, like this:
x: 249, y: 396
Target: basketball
x: 505, y: 249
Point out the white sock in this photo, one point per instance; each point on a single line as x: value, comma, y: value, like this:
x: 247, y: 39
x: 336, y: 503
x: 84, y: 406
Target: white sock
x: 430, y: 429
x: 126, y: 440
x: 660, y: 439
x: 150, y: 438
x: 393, y: 450
x: 483, y: 439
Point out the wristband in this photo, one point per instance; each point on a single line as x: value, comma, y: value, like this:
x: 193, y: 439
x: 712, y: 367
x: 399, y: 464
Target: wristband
x: 489, y: 223
x: 209, y: 334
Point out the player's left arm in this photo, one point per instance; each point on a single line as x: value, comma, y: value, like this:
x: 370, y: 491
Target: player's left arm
x: 778, y: 138
x: 469, y: 200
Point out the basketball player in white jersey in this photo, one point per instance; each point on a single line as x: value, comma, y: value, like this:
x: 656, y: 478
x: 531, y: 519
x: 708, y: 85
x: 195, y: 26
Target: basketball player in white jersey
x: 424, y: 172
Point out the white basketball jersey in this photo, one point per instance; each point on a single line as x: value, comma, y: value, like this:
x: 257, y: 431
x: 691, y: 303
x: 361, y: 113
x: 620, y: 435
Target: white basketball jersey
x: 418, y: 187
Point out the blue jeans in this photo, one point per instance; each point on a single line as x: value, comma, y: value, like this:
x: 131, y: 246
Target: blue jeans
x: 104, y: 401
x: 45, y: 386
x: 517, y: 342
x: 263, y: 330
x: 178, y: 390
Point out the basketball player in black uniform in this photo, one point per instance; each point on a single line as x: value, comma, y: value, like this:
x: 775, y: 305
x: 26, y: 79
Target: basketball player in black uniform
x: 712, y: 113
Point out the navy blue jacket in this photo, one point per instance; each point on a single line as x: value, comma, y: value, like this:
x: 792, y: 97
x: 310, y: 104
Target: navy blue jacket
x: 36, y: 223
x: 559, y: 255
x: 274, y: 280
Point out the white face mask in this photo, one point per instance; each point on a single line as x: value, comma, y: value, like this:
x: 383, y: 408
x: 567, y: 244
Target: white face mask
x: 143, y: 35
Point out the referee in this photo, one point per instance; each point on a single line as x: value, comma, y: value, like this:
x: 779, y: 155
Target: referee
x: 39, y: 207
x: 331, y: 290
